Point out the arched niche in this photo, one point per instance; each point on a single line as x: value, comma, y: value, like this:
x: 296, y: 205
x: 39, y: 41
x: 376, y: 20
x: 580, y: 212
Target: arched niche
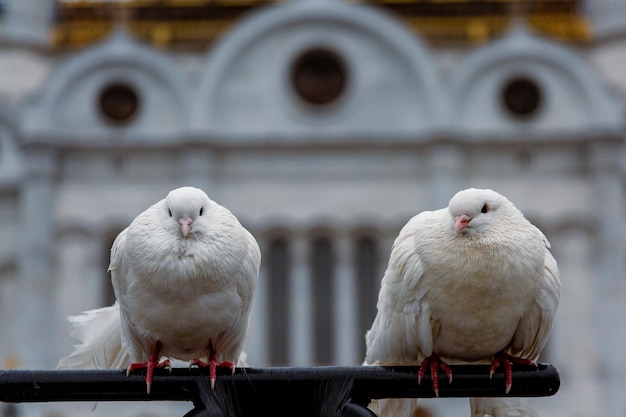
x: 523, y: 84
x: 117, y: 90
x: 315, y: 70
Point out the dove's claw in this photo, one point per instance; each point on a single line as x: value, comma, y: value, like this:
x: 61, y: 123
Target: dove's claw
x: 434, y: 362
x: 446, y: 370
x: 506, y: 361
x: 150, y: 365
x: 165, y: 364
x: 213, y: 364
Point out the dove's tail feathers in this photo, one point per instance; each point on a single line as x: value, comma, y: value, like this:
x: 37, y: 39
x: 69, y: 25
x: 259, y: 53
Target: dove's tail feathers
x: 501, y: 407
x: 99, y: 332
x: 395, y: 407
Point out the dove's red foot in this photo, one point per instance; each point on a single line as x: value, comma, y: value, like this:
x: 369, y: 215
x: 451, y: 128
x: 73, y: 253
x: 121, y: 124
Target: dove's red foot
x: 506, y: 361
x: 434, y: 363
x: 213, y: 365
x: 150, y: 365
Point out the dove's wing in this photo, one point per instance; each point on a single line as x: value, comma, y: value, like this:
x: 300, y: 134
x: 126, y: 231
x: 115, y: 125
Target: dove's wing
x: 115, y: 266
x: 402, y: 330
x: 138, y: 347
x: 245, y: 277
x: 534, y: 327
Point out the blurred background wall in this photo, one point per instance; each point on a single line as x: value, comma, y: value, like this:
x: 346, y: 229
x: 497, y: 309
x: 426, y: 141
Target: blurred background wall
x: 324, y: 125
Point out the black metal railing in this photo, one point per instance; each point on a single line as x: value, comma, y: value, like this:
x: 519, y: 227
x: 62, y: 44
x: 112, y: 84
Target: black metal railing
x: 254, y: 392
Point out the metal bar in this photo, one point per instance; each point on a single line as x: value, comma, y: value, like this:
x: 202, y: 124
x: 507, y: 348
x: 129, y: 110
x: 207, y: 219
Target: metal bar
x: 282, y: 385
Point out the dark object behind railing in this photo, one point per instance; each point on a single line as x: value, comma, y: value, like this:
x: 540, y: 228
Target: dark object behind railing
x: 256, y: 392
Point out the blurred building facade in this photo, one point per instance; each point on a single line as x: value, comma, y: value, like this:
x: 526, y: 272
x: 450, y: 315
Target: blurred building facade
x: 324, y: 126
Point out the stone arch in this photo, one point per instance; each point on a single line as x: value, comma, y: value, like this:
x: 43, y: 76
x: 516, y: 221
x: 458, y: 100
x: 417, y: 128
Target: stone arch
x: 145, y: 84
x: 391, y: 85
x: 569, y: 95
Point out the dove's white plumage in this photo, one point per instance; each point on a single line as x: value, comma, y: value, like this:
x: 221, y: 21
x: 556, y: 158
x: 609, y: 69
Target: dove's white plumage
x: 465, y: 282
x: 184, y: 273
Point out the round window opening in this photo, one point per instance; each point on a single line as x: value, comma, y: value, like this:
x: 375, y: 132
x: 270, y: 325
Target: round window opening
x: 319, y: 76
x: 522, y: 97
x: 119, y: 103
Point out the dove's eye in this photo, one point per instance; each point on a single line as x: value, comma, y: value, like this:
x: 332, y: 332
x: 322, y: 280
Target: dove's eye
x: 485, y: 208
x: 201, y: 210
x: 170, y: 212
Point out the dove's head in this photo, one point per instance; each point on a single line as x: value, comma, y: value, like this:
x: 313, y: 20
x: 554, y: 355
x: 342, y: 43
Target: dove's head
x: 185, y: 210
x: 475, y: 211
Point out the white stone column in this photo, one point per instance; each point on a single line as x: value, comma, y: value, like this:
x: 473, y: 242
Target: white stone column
x: 257, y: 339
x: 34, y: 323
x: 609, y: 207
x: 300, y: 304
x: 345, y: 302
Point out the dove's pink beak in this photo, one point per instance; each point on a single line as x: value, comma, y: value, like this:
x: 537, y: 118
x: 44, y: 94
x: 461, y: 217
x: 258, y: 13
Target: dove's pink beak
x: 185, y: 224
x: 461, y: 222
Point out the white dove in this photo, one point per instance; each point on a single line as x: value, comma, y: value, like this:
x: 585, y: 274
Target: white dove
x: 470, y: 282
x: 184, y: 273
